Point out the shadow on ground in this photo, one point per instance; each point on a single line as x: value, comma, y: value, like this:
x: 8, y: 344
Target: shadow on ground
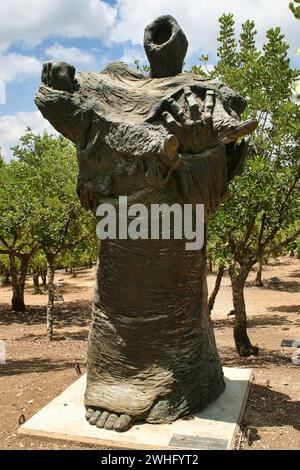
x: 295, y: 274
x: 263, y: 321
x: 280, y: 286
x: 230, y: 358
x: 76, y: 313
x: 35, y: 364
x: 285, y: 308
x: 266, y: 407
x: 80, y: 335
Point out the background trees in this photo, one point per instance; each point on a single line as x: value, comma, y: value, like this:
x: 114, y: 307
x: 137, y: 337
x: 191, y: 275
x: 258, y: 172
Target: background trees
x: 18, y: 233
x: 261, y: 216
x: 42, y: 224
x: 41, y: 217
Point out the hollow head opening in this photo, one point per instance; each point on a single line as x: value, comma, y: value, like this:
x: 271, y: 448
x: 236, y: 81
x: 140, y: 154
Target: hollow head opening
x: 162, y: 33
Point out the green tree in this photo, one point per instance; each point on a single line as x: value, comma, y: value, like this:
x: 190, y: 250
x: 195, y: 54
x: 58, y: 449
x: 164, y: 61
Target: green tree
x: 227, y: 54
x: 60, y: 222
x: 4, y: 269
x: 38, y: 268
x: 260, y: 217
x: 18, y: 229
x: 144, y: 69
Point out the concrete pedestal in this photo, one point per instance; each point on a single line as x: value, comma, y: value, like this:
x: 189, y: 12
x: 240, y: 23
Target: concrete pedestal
x: 214, y: 428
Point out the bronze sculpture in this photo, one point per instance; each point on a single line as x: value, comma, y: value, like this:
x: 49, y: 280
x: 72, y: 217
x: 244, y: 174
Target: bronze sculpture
x: 168, y: 138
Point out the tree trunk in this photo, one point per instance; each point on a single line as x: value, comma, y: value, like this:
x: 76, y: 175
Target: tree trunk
x: 44, y: 277
x: 18, y: 283
x: 74, y: 272
x: 7, y: 276
x: 90, y: 263
x: 66, y: 270
x: 209, y: 266
x: 241, y: 339
x: 258, y: 281
x: 215, y: 291
x: 50, y: 304
x: 36, y: 283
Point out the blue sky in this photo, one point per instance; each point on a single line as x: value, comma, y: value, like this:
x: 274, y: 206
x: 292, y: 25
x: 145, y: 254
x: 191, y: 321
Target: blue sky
x: 91, y: 33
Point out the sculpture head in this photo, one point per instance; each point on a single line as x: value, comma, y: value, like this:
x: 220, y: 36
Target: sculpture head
x: 166, y: 46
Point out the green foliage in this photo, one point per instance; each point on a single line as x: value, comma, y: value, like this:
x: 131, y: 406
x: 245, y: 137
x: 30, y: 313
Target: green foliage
x: 61, y: 224
x: 4, y: 267
x: 260, y: 217
x: 198, y: 70
x: 294, y: 9
x: 17, y: 211
x: 41, y: 217
x: 145, y: 69
x: 38, y: 262
x: 227, y: 53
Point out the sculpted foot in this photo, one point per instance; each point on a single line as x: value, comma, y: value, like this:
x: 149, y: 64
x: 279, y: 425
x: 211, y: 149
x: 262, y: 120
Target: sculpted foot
x: 109, y: 421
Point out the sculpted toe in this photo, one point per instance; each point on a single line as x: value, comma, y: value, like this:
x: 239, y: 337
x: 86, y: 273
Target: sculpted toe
x: 89, y: 413
x: 123, y: 423
x: 94, y: 418
x: 110, y: 421
x: 102, y: 420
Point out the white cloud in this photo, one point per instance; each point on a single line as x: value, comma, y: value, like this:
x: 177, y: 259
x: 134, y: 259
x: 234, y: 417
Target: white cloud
x: 199, y: 19
x: 12, y: 127
x: 72, y: 55
x: 2, y: 92
x: 33, y: 20
x: 130, y: 54
x: 16, y: 66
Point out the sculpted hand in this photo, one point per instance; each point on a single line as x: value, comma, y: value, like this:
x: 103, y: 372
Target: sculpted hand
x: 202, y: 123
x: 59, y: 75
x: 190, y: 120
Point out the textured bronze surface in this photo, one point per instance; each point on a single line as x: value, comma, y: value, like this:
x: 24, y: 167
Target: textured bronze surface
x: 170, y: 138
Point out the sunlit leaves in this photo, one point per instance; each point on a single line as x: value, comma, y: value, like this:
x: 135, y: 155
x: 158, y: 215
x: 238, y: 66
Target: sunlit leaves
x: 263, y: 206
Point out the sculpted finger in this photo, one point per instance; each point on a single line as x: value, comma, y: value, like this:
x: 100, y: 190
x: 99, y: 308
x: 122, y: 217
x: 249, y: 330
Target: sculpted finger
x: 192, y: 104
x: 176, y: 110
x: 46, y: 73
x: 172, y: 125
x: 170, y: 152
x: 208, y: 106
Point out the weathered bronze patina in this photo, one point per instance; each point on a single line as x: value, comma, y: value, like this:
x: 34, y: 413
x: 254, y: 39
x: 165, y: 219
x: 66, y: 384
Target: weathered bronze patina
x: 168, y: 138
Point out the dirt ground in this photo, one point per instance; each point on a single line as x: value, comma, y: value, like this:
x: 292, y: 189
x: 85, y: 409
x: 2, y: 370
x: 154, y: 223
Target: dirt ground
x: 37, y: 370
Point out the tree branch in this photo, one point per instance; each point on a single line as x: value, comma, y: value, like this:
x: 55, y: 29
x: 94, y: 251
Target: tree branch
x: 262, y: 227
x: 284, y: 243
x: 282, y: 210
